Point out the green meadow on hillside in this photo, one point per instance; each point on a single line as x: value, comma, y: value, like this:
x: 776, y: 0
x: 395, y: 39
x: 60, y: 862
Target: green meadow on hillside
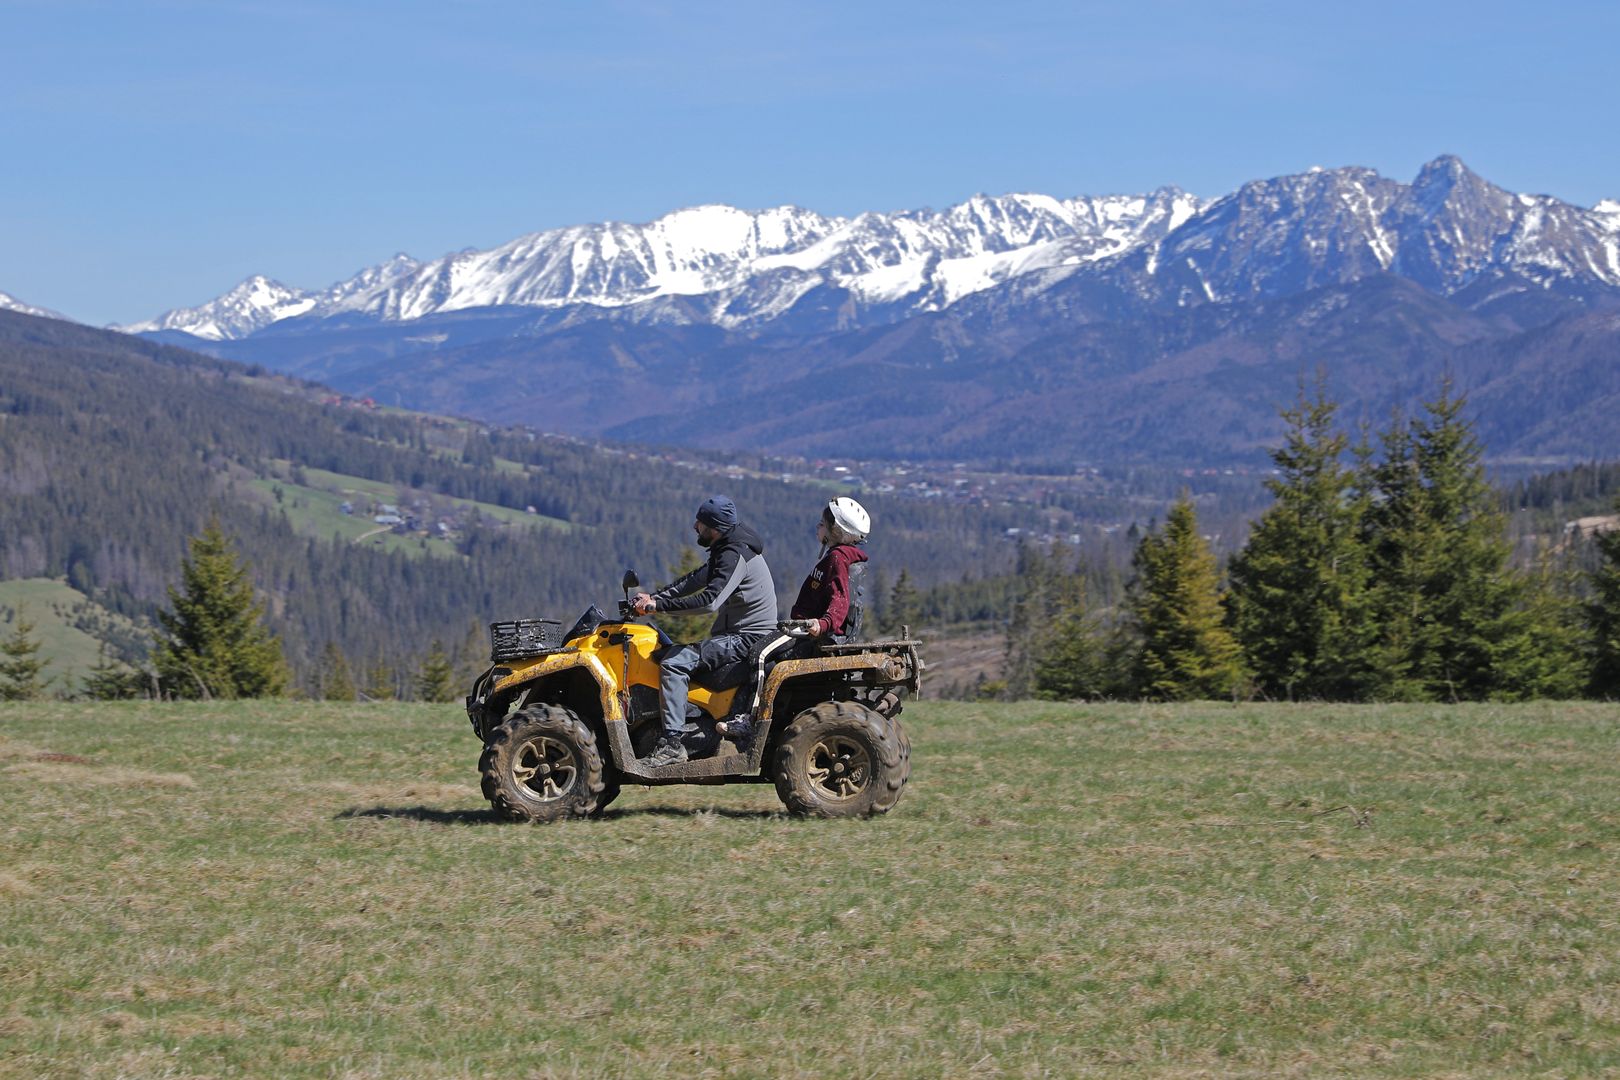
x: 315, y: 509
x: 290, y: 889
x: 53, y: 607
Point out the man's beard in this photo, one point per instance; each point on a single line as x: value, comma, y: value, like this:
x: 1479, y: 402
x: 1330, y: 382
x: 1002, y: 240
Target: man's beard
x: 705, y: 541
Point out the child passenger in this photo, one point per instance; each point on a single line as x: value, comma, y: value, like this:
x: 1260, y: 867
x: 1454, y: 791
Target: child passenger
x: 822, y: 608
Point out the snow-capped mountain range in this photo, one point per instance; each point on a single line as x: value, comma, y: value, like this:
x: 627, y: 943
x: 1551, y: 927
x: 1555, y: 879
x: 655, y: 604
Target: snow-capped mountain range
x: 746, y: 268
x: 11, y: 303
x: 1154, y: 327
x: 1449, y: 230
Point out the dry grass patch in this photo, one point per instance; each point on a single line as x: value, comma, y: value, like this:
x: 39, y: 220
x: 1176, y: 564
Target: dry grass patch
x: 81, y: 772
x: 15, y: 884
x: 12, y: 749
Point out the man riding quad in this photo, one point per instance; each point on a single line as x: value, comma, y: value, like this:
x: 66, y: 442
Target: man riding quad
x: 735, y: 583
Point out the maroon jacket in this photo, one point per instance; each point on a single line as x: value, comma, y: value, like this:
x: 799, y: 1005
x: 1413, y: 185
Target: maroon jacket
x: 824, y: 596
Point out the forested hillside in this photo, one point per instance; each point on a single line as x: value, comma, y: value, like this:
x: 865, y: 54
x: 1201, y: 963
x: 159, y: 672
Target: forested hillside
x: 114, y: 451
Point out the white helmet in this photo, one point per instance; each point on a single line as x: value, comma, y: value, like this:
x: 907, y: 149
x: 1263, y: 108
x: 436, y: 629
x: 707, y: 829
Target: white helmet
x: 850, y: 517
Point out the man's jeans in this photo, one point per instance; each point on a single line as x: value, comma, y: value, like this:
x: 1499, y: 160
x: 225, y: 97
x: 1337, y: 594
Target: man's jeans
x: 679, y: 666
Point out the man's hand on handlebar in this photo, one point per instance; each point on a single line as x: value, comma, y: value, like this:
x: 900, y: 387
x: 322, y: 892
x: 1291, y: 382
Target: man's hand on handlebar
x: 641, y: 603
x: 801, y: 628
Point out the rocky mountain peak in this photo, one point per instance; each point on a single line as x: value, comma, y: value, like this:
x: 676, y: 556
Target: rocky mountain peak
x: 256, y: 302
x: 1446, y: 170
x: 1450, y: 225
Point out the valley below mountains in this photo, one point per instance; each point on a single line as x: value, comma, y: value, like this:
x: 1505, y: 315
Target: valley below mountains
x: 1157, y: 328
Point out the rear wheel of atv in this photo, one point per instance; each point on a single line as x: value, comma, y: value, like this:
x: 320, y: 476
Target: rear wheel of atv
x: 543, y: 764
x: 842, y: 759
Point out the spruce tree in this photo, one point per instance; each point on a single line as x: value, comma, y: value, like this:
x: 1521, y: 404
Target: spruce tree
x: 379, y: 682
x: 903, y: 607
x: 877, y: 602
x: 1449, y: 607
x: 1602, y: 611
x: 1549, y: 654
x: 1400, y: 540
x: 1079, y: 657
x: 435, y: 679
x: 20, y: 663
x: 1186, y: 651
x: 112, y: 681
x: 1299, y: 602
x: 213, y: 643
x: 336, y: 682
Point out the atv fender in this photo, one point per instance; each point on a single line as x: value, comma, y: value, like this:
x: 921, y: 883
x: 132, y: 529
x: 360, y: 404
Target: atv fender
x: 508, y: 681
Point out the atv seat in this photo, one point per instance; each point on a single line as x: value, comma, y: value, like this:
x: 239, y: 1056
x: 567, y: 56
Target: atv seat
x: 723, y: 678
x: 761, y: 657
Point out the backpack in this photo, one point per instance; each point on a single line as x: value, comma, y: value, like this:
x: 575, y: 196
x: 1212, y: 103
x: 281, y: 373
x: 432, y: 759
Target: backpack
x: 857, y: 604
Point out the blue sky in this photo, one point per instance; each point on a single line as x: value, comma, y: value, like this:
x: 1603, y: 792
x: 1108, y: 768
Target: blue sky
x: 158, y: 152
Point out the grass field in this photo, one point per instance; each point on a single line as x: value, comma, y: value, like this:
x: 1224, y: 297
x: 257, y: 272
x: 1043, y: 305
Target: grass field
x: 296, y: 890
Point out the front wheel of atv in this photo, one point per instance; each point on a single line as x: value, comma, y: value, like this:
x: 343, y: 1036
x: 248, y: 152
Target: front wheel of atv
x: 543, y: 764
x: 842, y: 759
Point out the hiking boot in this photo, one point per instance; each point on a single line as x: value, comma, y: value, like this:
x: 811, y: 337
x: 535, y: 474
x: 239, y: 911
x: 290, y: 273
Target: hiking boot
x: 669, y: 751
x: 740, y: 730
x: 700, y: 740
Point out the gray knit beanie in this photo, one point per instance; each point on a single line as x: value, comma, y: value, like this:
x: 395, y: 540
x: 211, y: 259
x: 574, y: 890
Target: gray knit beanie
x: 718, y: 512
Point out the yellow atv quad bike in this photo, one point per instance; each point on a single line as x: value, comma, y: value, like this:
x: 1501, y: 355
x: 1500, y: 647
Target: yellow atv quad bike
x: 565, y: 719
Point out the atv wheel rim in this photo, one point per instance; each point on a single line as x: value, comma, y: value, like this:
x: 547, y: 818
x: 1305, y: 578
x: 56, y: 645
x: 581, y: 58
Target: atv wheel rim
x: 545, y: 768
x: 840, y: 768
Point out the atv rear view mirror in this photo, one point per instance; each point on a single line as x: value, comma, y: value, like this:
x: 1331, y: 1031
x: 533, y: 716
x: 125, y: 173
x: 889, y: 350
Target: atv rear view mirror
x: 630, y: 580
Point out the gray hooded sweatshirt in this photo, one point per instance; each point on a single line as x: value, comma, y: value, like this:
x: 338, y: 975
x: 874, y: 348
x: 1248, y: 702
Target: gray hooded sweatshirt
x: 735, y: 582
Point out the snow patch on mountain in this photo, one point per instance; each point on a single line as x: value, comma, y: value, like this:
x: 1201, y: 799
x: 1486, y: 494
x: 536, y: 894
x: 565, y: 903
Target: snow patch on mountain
x: 11, y: 303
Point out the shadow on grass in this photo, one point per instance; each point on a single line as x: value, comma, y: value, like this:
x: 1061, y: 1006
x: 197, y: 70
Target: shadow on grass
x: 687, y: 812
x: 426, y: 813
x: 489, y: 817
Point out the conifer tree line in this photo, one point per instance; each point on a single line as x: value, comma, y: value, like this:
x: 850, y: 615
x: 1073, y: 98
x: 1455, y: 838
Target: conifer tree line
x: 1382, y: 571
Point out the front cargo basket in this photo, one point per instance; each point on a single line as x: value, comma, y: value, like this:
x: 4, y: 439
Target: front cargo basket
x: 523, y: 638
